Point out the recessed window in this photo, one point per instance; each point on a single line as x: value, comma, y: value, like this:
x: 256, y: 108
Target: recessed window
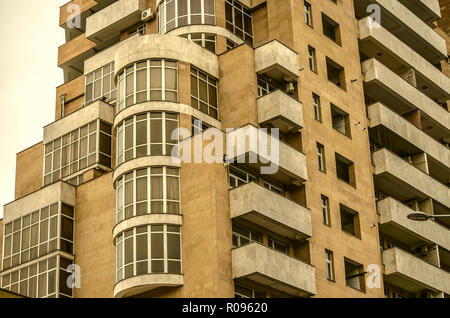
x: 239, y: 20
x: 204, y: 92
x: 321, y: 157
x: 329, y: 262
x: 176, y: 13
x: 335, y: 73
x: 354, y: 274
x: 316, y: 107
x: 243, y: 236
x: 312, y: 59
x: 206, y: 40
x: 239, y: 177
x: 136, y: 29
x: 241, y: 291
x: 331, y: 29
x: 308, y: 14
x: 345, y: 169
x: 340, y: 120
x: 279, y: 246
x: 325, y: 210
x: 265, y: 86
x: 273, y: 188
x: 350, y: 221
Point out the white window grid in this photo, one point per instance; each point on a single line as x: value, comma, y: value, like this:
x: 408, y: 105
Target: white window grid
x: 273, y: 188
x: 127, y: 209
x: 198, y: 126
x: 205, y: 40
x: 208, y: 103
x: 329, y: 264
x: 239, y: 177
x: 308, y: 16
x: 34, y: 280
x: 325, y: 213
x: 241, y: 291
x: 99, y: 84
x: 165, y: 25
x: 239, y: 13
x: 316, y: 107
x: 240, y: 239
x: 39, y: 224
x: 73, y: 152
x: 278, y: 246
x: 320, y: 160
x: 231, y: 44
x: 264, y: 87
x: 133, y: 234
x: 130, y: 91
x: 133, y: 150
x: 312, y: 58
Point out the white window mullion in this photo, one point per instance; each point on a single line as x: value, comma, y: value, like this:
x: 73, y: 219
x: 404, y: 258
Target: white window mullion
x: 166, y: 265
x: 164, y: 190
x: 134, y: 252
x: 97, y: 142
x: 149, y: 249
x: 163, y: 133
x: 134, y: 136
x: 163, y: 79
x: 149, y: 203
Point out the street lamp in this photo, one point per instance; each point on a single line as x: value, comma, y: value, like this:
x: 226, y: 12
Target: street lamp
x: 421, y: 216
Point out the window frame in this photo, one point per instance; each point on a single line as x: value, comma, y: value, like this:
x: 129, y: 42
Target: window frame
x: 110, y: 95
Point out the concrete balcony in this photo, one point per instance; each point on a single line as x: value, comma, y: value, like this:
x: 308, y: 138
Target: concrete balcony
x: 277, y: 61
x: 383, y: 85
x: 280, y: 111
x: 395, y: 224
x: 413, y: 274
x: 270, y: 210
x: 76, y: 11
x: 377, y: 42
x: 71, y: 56
x: 139, y: 284
x: 405, y: 182
x: 271, y: 268
x: 388, y: 129
x: 408, y: 27
x: 427, y: 10
x: 105, y: 26
x: 85, y: 115
x: 257, y: 150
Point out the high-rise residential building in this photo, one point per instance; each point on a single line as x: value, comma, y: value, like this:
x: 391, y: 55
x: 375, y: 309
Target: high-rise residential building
x: 355, y: 91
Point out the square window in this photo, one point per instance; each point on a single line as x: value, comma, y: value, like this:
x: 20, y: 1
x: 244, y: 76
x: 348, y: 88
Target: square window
x: 350, y: 221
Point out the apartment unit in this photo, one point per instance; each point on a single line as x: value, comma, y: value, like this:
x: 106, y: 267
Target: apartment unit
x: 360, y: 111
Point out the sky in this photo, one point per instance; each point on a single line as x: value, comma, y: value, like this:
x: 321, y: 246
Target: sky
x: 30, y: 36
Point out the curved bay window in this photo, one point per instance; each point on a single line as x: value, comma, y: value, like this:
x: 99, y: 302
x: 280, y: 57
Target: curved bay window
x: 148, y: 134
x: 149, y: 249
x: 176, y: 13
x: 155, y: 79
x: 149, y: 190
